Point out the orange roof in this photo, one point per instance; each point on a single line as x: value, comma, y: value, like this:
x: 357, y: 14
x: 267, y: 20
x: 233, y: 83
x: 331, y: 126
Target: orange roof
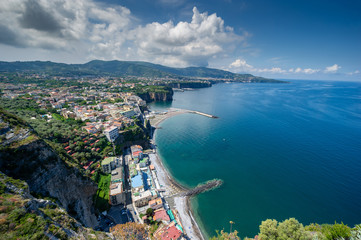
x: 161, y: 214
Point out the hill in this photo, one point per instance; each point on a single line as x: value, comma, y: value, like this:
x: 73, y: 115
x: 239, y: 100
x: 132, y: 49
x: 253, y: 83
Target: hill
x: 128, y: 68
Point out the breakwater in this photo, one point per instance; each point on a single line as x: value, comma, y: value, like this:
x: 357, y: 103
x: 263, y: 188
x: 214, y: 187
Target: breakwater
x: 203, y: 187
x: 203, y: 114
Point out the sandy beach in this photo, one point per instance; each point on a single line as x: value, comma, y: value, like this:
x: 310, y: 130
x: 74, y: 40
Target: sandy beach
x: 171, y: 187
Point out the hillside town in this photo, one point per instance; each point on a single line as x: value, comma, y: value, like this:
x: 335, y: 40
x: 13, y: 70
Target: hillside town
x: 134, y: 192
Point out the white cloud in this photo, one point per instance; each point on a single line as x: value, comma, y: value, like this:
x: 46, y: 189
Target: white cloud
x: 332, y: 69
x: 184, y: 43
x: 109, y: 32
x: 305, y: 70
x: 241, y: 65
x: 354, y: 72
x: 61, y: 24
x: 272, y: 70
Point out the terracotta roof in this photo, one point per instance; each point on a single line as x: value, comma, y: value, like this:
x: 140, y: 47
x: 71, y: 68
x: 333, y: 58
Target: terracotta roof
x: 171, y: 233
x: 161, y: 214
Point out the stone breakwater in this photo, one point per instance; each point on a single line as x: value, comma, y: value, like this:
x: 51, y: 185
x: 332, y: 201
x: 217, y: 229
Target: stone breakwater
x: 203, y: 187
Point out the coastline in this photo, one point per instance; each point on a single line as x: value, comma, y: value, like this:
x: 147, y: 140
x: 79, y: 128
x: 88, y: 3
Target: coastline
x: 171, y: 186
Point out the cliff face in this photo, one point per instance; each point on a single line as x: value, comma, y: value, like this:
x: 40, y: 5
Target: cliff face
x: 194, y: 84
x: 46, y: 174
x: 157, y: 96
x: 26, y: 217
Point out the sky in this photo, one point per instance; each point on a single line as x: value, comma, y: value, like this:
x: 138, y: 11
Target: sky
x: 284, y: 39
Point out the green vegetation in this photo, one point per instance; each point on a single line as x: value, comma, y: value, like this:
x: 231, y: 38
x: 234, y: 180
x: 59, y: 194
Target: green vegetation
x: 291, y: 229
x: 21, y: 220
x: 119, y: 68
x: 222, y: 235
x: 59, y: 133
x: 101, y: 199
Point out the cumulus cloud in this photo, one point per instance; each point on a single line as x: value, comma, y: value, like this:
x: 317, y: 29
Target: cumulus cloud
x: 354, y: 72
x: 110, y: 32
x: 184, y: 43
x: 305, y: 70
x: 272, y: 70
x: 240, y: 65
x: 332, y: 69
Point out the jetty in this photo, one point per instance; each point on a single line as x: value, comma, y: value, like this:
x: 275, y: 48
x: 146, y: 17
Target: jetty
x: 203, y: 114
x: 192, y: 111
x: 157, y: 118
x: 204, y: 187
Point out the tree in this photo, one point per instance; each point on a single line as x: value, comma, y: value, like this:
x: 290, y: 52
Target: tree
x: 129, y: 231
x: 268, y: 230
x: 292, y: 229
x: 356, y: 232
x: 150, y: 212
x: 336, y: 231
x: 226, y: 236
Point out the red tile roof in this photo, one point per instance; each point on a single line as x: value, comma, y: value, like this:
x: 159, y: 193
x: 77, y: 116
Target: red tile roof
x: 161, y: 214
x: 171, y: 233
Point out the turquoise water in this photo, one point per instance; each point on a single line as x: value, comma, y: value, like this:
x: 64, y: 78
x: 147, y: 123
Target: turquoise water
x: 283, y: 150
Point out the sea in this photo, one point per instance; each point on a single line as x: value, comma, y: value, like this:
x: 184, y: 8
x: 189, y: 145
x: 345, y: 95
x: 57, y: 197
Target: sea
x: 282, y: 150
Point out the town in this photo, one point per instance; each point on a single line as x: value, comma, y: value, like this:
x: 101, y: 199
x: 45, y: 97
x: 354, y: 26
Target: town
x: 111, y: 123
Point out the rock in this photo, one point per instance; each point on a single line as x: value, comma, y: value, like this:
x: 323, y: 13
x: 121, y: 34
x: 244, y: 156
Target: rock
x: 46, y: 174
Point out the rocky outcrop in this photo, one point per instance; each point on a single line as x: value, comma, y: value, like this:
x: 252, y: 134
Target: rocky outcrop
x: 193, y: 84
x: 161, y: 96
x: 47, y: 175
x: 26, y: 216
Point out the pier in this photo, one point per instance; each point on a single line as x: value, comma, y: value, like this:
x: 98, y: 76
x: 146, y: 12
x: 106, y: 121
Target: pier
x: 204, y: 187
x: 203, y: 114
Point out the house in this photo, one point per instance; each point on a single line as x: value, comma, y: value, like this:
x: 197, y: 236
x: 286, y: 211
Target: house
x: 161, y: 215
x: 171, y: 231
x: 156, y: 203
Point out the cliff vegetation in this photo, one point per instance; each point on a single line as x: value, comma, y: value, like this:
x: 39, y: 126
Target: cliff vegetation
x: 271, y: 229
x: 23, y: 216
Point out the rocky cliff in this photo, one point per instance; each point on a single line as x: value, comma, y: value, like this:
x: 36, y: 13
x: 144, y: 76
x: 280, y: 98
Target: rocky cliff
x: 47, y: 175
x: 23, y: 155
x: 192, y: 84
x: 26, y: 217
x: 162, y: 96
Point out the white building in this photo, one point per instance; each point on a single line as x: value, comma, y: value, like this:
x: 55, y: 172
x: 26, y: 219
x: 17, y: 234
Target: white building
x: 111, y: 133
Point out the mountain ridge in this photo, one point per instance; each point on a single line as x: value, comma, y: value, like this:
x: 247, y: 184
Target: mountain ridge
x: 128, y: 69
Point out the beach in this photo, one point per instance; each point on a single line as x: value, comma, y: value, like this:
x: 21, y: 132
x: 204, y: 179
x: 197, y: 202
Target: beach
x: 171, y: 187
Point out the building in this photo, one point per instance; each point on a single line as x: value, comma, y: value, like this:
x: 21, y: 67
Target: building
x: 155, y: 203
x: 111, y: 133
x: 137, y: 182
x: 129, y: 114
x: 171, y: 231
x: 117, y: 194
x: 117, y: 175
x: 109, y: 164
x: 141, y: 199
x: 161, y: 215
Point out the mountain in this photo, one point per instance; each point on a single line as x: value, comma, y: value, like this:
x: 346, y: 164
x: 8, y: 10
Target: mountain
x: 127, y: 68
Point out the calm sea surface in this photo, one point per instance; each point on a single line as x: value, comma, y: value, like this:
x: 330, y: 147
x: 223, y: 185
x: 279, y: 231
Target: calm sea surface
x: 283, y: 150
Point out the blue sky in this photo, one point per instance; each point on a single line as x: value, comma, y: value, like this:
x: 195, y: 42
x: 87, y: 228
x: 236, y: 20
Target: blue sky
x: 280, y: 39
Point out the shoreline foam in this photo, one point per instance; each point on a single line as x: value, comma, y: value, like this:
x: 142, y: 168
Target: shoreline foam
x: 172, y: 187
